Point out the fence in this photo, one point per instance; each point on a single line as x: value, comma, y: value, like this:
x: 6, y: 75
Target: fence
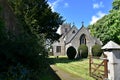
x: 98, y: 67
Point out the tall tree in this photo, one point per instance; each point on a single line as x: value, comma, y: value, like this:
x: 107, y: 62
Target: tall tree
x: 38, y: 17
x: 23, y: 55
x: 108, y: 28
x: 7, y: 15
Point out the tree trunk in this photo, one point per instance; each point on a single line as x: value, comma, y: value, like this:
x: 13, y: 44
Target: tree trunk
x: 9, y: 18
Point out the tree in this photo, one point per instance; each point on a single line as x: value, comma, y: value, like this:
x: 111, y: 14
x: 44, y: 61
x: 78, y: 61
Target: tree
x: 23, y: 48
x: 116, y: 5
x: 107, y: 28
x: 10, y: 21
x: 38, y: 17
x: 26, y: 49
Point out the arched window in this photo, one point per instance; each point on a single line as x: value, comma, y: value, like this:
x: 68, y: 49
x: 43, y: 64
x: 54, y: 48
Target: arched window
x: 73, y: 31
x: 82, y: 39
x: 65, y: 29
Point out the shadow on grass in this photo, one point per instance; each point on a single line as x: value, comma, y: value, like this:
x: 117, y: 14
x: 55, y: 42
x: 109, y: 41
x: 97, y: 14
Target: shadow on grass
x: 49, y: 74
x: 53, y: 60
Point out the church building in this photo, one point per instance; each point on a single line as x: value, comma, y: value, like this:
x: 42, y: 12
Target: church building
x: 71, y: 36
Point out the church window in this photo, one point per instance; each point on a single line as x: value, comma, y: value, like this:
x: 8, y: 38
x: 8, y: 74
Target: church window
x: 82, y: 39
x: 58, y: 49
x: 73, y: 31
x: 65, y: 29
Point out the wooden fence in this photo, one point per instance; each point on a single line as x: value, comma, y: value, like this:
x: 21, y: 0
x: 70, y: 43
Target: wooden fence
x: 98, y: 67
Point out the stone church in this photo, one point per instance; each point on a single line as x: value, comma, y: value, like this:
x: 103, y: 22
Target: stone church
x: 71, y: 36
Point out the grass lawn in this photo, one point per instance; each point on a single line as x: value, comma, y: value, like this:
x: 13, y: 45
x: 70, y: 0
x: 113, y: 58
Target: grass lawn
x: 75, y: 67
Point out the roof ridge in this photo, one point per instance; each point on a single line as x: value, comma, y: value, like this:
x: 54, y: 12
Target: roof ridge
x: 75, y: 34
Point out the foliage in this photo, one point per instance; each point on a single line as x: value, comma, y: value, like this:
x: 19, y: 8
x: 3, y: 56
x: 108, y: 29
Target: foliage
x: 116, y: 5
x: 37, y: 16
x: 71, y: 52
x: 83, y: 50
x: 28, y: 47
x: 20, y: 72
x: 17, y: 72
x: 96, y: 50
x: 24, y: 49
x: 2, y: 29
x: 107, y: 28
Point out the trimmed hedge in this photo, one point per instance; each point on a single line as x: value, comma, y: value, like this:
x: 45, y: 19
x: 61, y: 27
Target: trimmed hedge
x: 84, y: 50
x: 71, y: 52
x: 96, y: 50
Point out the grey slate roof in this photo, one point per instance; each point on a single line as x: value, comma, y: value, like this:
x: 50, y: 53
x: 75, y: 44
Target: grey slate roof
x: 111, y: 45
x: 75, y: 35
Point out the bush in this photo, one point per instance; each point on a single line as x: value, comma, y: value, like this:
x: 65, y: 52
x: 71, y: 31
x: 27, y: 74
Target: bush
x: 84, y: 50
x: 26, y: 50
x: 20, y: 72
x: 24, y: 47
x: 96, y: 50
x: 71, y: 52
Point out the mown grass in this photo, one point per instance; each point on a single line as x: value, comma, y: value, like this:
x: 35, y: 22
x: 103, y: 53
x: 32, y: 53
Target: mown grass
x: 75, y: 67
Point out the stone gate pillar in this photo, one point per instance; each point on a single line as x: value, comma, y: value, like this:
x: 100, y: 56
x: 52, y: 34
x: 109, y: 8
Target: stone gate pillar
x: 112, y: 51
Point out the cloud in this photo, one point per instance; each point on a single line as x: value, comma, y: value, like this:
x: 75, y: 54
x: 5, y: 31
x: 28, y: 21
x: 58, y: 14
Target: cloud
x: 98, y: 5
x: 66, y: 5
x: 96, y: 17
x: 54, y: 4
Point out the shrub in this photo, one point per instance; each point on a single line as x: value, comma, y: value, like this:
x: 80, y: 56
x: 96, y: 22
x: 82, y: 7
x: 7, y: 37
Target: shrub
x: 71, y: 52
x: 96, y: 50
x: 20, y: 72
x: 21, y: 46
x: 84, y: 50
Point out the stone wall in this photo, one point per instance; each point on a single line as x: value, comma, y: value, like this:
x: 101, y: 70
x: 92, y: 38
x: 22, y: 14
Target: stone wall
x: 89, y: 40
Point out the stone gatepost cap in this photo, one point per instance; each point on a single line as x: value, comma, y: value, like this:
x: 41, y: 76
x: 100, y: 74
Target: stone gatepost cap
x: 111, y: 45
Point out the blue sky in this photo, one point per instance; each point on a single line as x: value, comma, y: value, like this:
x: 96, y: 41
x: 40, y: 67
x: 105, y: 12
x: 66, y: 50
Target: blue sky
x: 76, y: 11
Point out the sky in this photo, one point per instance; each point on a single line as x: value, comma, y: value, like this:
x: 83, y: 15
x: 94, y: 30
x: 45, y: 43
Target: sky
x: 76, y: 11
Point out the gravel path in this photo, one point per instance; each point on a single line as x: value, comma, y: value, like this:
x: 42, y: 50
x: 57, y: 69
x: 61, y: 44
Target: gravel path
x: 64, y: 75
